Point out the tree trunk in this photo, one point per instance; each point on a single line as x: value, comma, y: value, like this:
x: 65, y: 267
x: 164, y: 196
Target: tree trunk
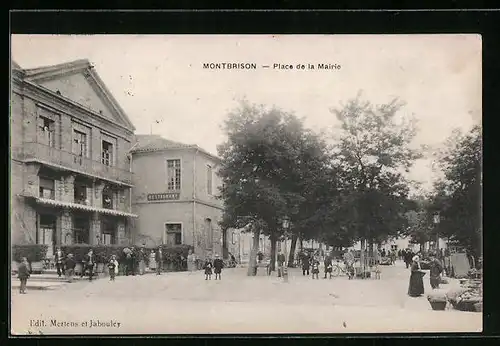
x: 301, y: 244
x: 293, y: 246
x: 252, y: 264
x: 363, y: 255
x: 273, y: 251
x: 225, y: 252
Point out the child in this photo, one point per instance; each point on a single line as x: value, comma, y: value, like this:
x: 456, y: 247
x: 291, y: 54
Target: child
x: 315, y: 269
x: 112, y: 267
x: 208, y: 269
x: 23, y: 274
x: 70, y: 267
x: 218, y: 265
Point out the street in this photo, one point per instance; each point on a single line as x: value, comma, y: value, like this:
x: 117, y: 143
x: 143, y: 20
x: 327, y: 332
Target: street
x: 184, y: 303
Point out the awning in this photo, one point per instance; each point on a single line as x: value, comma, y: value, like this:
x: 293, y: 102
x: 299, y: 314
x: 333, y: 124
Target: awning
x: 77, y: 206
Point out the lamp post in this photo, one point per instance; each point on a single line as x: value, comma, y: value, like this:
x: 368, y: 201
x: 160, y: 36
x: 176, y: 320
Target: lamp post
x: 437, y: 220
x: 286, y: 225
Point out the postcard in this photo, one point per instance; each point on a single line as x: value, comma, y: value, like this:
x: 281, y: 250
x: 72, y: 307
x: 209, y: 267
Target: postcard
x: 243, y: 184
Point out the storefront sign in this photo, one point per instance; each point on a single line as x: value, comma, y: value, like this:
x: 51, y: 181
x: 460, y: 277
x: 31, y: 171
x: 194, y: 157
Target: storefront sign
x: 163, y: 196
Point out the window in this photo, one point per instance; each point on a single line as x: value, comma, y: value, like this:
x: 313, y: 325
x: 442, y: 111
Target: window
x: 209, y: 179
x: 47, y: 188
x: 80, y: 193
x: 46, y: 130
x: 79, y: 145
x: 107, y: 153
x: 173, y: 174
x: 107, y: 198
x: 173, y: 233
x: 209, y: 232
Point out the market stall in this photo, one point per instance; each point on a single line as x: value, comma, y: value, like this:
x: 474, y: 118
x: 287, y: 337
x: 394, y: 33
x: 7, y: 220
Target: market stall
x: 469, y: 297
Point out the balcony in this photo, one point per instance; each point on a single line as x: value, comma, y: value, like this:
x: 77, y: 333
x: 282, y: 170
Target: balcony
x: 58, y: 158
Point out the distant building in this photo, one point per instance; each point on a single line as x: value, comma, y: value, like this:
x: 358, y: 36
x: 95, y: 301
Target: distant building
x: 175, y: 195
x: 70, y: 175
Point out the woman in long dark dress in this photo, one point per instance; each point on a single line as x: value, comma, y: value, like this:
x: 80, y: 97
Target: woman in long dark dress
x: 416, y: 288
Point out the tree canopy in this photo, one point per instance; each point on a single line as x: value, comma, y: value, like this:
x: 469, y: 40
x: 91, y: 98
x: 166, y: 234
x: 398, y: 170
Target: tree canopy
x: 457, y: 197
x: 273, y: 167
x: 372, y: 150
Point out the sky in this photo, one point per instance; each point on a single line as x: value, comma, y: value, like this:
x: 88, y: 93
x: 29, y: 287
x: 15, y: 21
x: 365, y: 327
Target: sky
x: 160, y: 82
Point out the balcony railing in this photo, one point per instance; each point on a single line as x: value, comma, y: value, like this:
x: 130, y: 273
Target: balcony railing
x: 67, y: 159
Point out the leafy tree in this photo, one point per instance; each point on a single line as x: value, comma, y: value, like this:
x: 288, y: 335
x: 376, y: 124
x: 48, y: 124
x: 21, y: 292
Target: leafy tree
x: 270, y: 161
x: 457, y: 196
x: 372, y: 150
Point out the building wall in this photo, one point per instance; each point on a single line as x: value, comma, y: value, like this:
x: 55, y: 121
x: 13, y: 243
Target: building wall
x: 202, y: 191
x: 150, y: 226
x: 150, y: 174
x: 27, y: 104
x: 192, y: 208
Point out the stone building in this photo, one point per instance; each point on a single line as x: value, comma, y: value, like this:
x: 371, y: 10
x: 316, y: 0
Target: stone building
x: 70, y: 175
x: 175, y: 195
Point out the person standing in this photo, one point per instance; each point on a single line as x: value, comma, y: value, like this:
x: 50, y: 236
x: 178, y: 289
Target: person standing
x: 112, y: 268
x: 315, y: 268
x: 159, y: 261
x: 135, y: 262
x: 208, y: 268
x: 152, y: 261
x: 70, y: 265
x: 408, y: 258
x: 328, y: 266
x: 59, y: 260
x: 142, y: 261
x: 89, y: 261
x: 306, y: 264
x: 435, y: 271
x: 23, y: 274
x: 218, y: 265
x: 281, y: 261
x: 416, y: 286
x: 349, y: 263
x: 128, y: 263
x: 191, y: 261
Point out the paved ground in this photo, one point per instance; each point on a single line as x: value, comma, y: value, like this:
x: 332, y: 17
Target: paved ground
x: 186, y: 303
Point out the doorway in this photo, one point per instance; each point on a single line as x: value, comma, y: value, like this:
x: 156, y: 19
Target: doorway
x: 81, y: 230
x: 46, y: 232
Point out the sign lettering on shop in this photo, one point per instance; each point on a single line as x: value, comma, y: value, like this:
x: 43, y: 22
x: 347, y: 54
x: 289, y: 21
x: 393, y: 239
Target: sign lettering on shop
x: 163, y: 196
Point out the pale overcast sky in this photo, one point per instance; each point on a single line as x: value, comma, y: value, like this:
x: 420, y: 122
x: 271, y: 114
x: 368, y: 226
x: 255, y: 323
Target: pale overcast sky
x: 157, y: 77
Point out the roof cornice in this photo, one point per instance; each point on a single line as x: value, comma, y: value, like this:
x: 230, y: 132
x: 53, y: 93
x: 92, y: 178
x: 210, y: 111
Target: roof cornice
x: 185, y: 148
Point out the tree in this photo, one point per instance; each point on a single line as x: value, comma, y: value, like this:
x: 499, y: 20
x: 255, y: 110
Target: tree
x: 420, y: 227
x: 264, y: 170
x: 372, y: 150
x: 457, y: 196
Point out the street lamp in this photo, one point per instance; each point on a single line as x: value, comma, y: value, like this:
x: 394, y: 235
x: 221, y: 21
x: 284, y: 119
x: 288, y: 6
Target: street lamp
x: 437, y: 220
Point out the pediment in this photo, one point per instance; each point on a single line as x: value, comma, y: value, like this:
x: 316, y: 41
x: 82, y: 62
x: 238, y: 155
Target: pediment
x: 83, y: 86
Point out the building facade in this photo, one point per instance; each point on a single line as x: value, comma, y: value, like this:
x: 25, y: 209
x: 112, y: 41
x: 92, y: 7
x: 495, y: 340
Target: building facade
x: 70, y: 175
x: 175, y: 195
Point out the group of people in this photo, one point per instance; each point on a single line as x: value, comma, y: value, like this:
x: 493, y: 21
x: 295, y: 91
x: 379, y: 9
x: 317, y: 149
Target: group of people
x: 214, y: 266
x: 310, y: 264
x: 416, y: 286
